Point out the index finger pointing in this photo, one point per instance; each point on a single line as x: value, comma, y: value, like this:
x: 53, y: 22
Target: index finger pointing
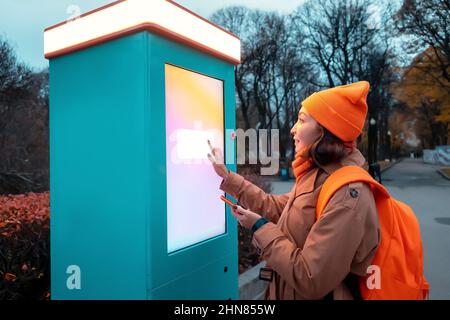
x: 210, y: 146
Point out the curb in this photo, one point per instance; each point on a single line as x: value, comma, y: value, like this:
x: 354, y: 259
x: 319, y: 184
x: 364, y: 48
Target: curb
x: 443, y: 174
x: 392, y: 164
x: 250, y: 287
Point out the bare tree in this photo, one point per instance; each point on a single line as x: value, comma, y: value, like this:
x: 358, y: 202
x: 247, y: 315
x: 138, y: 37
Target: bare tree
x: 236, y: 20
x: 23, y: 125
x: 272, y: 72
x: 337, y: 35
x: 429, y: 22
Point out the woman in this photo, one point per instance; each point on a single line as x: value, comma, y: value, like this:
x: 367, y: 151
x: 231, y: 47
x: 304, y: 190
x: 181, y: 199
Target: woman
x: 314, y: 259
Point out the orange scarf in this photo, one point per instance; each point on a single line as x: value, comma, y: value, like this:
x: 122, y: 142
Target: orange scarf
x: 301, y: 164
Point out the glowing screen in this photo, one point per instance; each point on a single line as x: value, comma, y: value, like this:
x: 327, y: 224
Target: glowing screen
x: 194, y: 113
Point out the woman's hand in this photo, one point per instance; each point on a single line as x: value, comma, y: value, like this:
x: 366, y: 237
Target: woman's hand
x: 246, y: 218
x: 217, y: 161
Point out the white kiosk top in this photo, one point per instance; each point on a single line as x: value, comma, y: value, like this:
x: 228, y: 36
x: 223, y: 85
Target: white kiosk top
x: 123, y: 17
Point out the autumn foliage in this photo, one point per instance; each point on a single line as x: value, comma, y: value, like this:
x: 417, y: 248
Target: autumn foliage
x: 25, y: 246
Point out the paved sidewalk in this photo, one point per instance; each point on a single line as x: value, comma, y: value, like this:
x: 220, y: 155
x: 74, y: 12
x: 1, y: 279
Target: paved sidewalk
x: 420, y: 186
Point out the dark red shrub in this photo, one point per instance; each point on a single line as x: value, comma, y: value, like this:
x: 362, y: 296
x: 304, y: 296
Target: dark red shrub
x: 25, y: 246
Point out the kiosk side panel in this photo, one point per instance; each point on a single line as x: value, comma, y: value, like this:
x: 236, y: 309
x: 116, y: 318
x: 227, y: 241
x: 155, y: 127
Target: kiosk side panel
x: 97, y: 187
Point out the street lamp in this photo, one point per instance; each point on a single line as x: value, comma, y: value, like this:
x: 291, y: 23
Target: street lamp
x: 372, y: 141
x: 374, y: 168
x: 389, y: 145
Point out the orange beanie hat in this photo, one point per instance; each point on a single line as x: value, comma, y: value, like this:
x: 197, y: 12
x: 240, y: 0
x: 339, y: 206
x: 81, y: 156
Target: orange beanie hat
x: 342, y: 109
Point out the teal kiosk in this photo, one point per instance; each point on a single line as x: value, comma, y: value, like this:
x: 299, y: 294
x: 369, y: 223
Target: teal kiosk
x: 137, y: 87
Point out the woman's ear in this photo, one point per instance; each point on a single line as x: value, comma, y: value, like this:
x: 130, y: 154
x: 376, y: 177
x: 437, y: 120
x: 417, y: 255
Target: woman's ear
x: 319, y: 133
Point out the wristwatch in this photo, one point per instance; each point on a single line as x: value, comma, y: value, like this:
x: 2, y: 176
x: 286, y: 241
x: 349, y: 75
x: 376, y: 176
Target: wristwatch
x: 259, y: 223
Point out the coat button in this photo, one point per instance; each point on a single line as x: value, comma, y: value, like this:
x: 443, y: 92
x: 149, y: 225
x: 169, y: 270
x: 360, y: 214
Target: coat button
x: 354, y: 193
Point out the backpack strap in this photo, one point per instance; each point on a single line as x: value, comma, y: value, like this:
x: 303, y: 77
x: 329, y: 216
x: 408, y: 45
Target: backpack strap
x: 334, y: 182
x: 341, y: 177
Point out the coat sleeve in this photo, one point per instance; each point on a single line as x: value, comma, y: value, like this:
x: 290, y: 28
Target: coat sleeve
x: 330, y: 247
x: 254, y: 198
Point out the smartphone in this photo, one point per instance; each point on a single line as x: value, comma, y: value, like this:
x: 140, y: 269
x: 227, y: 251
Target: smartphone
x: 230, y: 203
x: 227, y: 201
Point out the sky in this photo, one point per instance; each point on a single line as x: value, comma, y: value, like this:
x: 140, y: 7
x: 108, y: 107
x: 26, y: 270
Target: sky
x: 22, y: 22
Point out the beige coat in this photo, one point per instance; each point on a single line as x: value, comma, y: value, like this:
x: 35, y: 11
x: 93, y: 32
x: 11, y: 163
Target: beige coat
x: 311, y: 259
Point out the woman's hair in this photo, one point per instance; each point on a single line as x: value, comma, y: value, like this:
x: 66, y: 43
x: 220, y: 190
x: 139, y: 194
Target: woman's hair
x: 328, y: 148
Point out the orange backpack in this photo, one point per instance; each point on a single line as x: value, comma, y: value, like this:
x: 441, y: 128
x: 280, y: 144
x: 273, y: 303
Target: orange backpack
x: 398, y: 262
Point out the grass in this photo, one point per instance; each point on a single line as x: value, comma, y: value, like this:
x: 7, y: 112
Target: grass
x: 446, y: 170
